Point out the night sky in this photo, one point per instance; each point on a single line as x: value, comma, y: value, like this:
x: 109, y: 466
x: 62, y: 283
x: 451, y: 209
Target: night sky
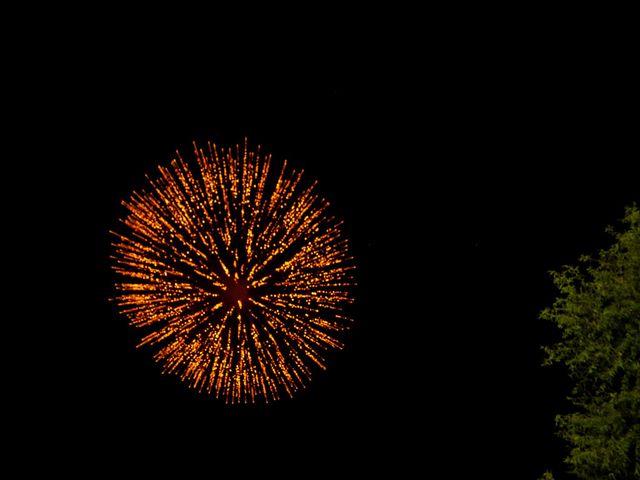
x: 462, y: 179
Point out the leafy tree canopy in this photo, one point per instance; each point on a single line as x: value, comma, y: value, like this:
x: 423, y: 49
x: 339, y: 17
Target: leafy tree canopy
x: 598, y: 314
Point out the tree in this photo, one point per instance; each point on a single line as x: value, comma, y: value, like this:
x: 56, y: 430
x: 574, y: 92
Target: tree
x: 598, y: 314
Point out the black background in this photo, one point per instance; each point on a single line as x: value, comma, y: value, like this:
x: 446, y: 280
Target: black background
x: 464, y: 173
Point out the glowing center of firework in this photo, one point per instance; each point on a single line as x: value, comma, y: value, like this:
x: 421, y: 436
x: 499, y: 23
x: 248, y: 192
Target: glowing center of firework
x: 236, y: 291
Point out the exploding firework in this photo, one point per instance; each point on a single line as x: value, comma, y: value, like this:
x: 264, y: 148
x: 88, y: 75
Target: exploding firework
x: 236, y: 271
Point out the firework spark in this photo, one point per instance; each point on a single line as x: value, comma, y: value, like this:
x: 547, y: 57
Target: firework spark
x: 236, y: 271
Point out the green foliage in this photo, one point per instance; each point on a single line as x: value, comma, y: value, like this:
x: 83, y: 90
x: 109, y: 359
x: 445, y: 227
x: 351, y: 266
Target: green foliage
x: 547, y: 476
x: 598, y: 314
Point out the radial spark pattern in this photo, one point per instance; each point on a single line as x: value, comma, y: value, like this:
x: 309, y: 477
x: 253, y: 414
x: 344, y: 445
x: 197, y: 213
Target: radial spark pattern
x: 237, y: 273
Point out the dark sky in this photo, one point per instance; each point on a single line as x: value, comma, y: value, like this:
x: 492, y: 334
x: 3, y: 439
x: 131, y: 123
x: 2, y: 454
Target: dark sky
x: 462, y: 177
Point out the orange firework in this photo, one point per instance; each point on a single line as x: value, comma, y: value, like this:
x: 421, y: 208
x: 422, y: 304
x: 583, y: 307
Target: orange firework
x: 237, y: 273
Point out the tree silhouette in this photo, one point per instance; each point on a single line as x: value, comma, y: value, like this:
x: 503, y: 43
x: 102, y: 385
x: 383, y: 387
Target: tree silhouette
x: 598, y: 314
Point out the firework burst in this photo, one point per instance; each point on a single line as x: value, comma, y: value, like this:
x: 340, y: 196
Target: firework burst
x: 237, y: 273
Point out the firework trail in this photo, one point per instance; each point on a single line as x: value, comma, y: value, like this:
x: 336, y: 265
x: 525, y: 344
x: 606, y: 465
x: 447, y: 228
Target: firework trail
x: 236, y: 272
